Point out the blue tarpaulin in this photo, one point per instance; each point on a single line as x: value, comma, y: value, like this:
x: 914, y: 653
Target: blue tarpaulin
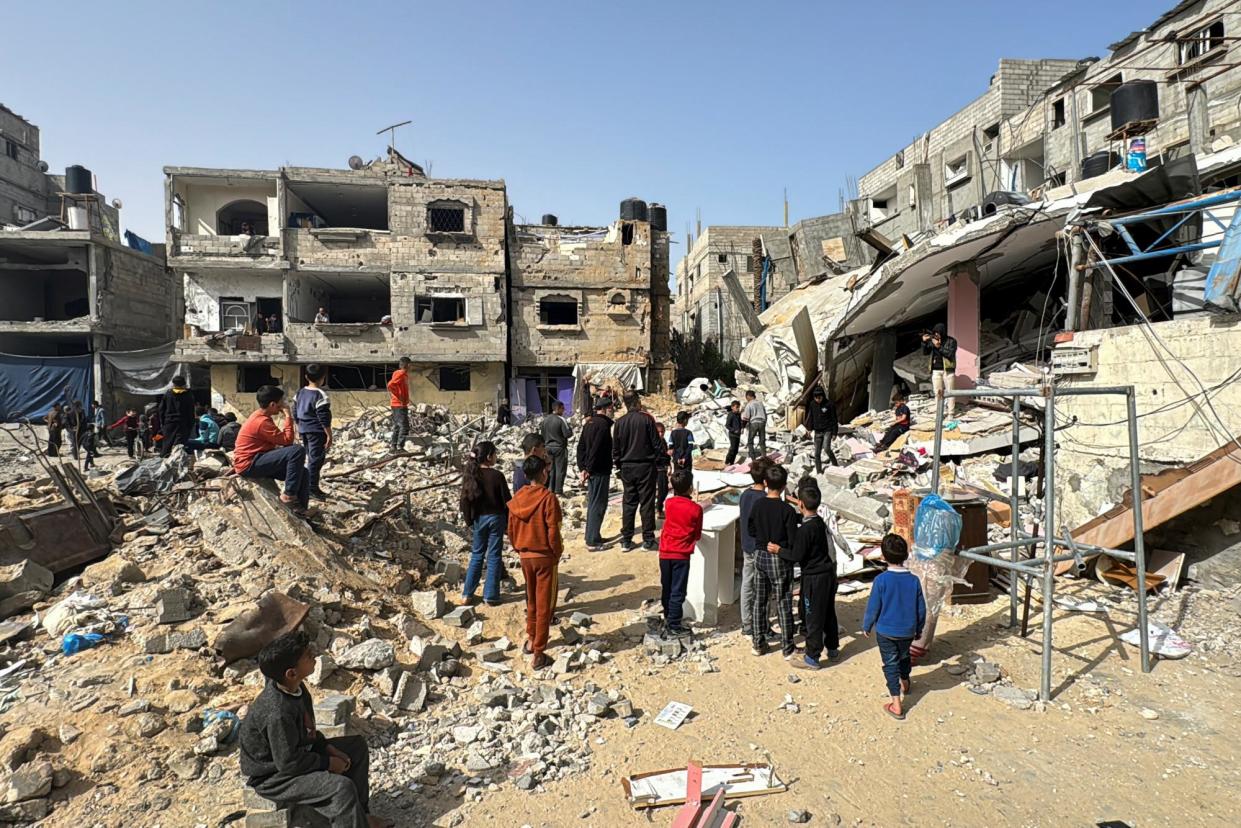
x: 30, y: 384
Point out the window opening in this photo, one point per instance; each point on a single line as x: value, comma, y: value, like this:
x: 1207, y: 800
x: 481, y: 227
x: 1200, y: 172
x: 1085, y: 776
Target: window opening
x: 557, y: 312
x: 432, y: 309
x: 454, y: 378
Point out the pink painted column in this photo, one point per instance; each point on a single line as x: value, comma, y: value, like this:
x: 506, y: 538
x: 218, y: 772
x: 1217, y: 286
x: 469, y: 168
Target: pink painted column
x: 963, y: 323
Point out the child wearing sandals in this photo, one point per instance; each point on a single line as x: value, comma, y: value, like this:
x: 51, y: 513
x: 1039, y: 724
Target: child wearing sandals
x: 896, y: 612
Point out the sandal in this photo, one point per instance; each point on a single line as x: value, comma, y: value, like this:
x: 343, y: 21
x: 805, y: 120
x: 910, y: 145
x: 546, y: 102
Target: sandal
x: 527, y: 649
x: 887, y: 708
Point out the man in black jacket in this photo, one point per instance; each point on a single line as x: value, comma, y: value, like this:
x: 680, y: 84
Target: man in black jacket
x: 821, y: 419
x: 734, y: 427
x: 635, y: 449
x: 594, y: 461
x: 176, y: 416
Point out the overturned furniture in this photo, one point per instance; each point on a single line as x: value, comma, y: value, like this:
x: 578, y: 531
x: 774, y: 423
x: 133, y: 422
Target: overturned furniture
x: 62, y: 536
x: 1044, y: 565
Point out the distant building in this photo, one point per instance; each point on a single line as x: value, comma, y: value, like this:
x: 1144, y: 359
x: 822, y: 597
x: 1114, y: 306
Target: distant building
x: 69, y: 290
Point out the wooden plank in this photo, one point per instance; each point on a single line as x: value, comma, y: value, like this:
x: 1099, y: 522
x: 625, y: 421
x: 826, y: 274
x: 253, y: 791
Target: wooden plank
x: 1216, y: 477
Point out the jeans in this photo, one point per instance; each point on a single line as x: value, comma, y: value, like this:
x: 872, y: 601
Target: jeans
x: 661, y: 487
x: 400, y: 428
x: 821, y: 437
x: 896, y: 663
x: 756, y: 429
x: 734, y: 448
x: 596, y: 507
x: 822, y: 631
x: 287, y: 464
x: 639, y: 482
x: 559, y: 468
x: 747, y: 593
x: 488, y: 542
x: 343, y: 798
x: 316, y: 452
x: 673, y: 583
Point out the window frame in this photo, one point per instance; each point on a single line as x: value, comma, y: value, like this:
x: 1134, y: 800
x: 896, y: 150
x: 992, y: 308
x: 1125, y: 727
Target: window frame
x: 1200, y: 35
x: 458, y: 369
x: 456, y: 205
x: 11, y: 149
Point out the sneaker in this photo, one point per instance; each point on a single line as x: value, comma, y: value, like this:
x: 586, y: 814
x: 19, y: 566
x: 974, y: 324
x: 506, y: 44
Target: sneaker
x: 320, y: 495
x: 628, y: 546
x: 833, y: 654
x: 773, y: 637
x: 792, y: 655
x: 651, y: 546
x: 758, y: 650
x: 678, y: 632
x: 590, y: 547
x: 805, y: 663
x: 494, y: 602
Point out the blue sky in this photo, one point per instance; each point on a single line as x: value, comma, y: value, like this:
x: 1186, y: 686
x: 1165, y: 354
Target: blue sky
x: 711, y: 106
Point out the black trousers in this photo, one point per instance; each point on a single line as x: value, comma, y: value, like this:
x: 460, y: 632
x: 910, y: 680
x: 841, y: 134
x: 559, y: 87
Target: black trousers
x: 175, y: 434
x: 673, y: 584
x: 316, y: 452
x: 889, y: 436
x: 596, y: 507
x: 130, y: 438
x: 822, y: 630
x: 661, y: 487
x: 821, y: 437
x: 400, y: 428
x: 734, y: 448
x: 638, y: 480
x: 342, y: 798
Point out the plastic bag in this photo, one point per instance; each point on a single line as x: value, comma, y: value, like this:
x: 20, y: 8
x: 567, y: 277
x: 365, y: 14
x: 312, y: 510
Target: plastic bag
x: 74, y: 643
x: 937, y: 528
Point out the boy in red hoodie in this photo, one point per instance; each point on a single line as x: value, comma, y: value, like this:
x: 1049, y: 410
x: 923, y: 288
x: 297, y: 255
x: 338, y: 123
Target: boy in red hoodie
x: 534, y: 529
x: 682, y: 530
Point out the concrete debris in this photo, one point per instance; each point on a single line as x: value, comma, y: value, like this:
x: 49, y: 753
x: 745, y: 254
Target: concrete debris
x: 373, y: 654
x: 461, y: 616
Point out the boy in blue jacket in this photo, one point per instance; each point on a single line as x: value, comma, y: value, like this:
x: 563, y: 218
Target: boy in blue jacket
x: 896, y: 612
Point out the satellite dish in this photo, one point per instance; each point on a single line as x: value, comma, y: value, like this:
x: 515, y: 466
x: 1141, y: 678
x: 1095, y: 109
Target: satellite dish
x: 42, y: 165
x: 116, y: 202
x: 355, y: 162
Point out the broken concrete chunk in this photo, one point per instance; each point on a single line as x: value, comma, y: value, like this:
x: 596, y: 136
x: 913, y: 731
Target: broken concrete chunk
x: 623, y: 708
x: 167, y: 642
x: 24, y: 577
x: 599, y: 704
x: 112, y: 571
x: 581, y: 620
x: 334, y: 709
x: 489, y: 655
x: 461, y: 616
x: 172, y: 606
x: 570, y: 635
x: 429, y: 605
x: 1014, y: 696
x: 411, y: 693
x: 325, y: 665
x: 31, y: 781
x: 474, y: 634
x: 372, y: 654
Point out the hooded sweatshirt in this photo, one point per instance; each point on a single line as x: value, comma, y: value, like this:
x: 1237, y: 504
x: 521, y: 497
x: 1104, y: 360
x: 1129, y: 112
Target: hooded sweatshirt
x: 398, y: 389
x: 534, y: 522
x: 177, y: 407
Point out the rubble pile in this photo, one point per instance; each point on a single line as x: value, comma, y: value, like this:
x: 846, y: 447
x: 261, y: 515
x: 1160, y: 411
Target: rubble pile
x: 129, y: 678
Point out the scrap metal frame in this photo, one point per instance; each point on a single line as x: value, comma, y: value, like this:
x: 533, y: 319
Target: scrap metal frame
x: 1044, y: 565
x: 1197, y: 206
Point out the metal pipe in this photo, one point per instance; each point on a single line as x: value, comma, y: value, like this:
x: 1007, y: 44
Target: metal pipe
x: 996, y: 392
x: 1029, y: 567
x: 1014, y: 490
x: 1180, y: 206
x: 1139, y: 544
x: 1077, y: 259
x: 1093, y: 391
x: 1049, y: 521
x: 1001, y: 546
x: 939, y: 441
x: 1079, y: 564
x: 1170, y: 251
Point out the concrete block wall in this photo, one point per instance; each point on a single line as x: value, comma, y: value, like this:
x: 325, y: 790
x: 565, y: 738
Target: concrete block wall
x: 202, y: 291
x: 22, y: 184
x: 136, y: 297
x: 1174, y: 427
x: 244, y: 247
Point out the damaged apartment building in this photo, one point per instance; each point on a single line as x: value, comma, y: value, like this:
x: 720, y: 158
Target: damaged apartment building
x: 355, y: 268
x: 82, y: 316
x: 1077, y: 222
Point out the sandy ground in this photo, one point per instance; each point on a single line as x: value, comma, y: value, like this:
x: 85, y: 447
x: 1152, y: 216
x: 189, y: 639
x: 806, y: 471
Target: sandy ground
x: 958, y: 759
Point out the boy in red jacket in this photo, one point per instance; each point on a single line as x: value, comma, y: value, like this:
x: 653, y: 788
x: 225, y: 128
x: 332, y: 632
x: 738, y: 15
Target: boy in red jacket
x: 682, y: 530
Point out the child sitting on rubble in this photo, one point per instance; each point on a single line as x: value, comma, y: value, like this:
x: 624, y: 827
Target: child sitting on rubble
x: 812, y: 551
x: 681, y: 532
x: 285, y: 759
x: 534, y: 527
x: 773, y: 524
x: 896, y: 612
x: 484, y: 504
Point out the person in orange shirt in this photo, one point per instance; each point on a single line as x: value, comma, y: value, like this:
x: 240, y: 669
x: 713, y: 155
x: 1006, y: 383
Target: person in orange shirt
x: 534, y: 528
x: 398, y: 387
x: 264, y: 451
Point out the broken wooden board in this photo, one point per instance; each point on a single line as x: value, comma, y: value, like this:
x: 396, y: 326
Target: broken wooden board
x: 1162, y: 567
x: 656, y: 789
x: 1167, y: 495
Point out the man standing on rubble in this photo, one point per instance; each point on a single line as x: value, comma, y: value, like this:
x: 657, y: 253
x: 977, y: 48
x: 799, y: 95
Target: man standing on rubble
x: 635, y: 450
x: 556, y: 433
x: 941, y: 350
x: 821, y: 419
x: 754, y: 416
x: 398, y: 388
x: 594, y: 461
x: 734, y: 427
x: 176, y: 416
x: 264, y: 451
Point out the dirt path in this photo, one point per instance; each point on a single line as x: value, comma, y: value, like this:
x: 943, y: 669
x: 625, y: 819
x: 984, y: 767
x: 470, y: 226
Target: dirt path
x: 959, y: 758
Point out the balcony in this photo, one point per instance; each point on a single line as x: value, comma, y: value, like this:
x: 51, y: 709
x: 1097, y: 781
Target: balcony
x: 339, y: 249
x: 199, y: 346
x: 258, y: 249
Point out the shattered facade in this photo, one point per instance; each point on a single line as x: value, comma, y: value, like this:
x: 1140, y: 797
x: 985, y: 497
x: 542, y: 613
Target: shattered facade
x: 68, y: 290
x: 588, y: 295
x: 401, y: 264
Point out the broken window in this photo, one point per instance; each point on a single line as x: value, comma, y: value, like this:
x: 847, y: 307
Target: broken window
x: 1101, y: 93
x: 913, y: 196
x: 990, y: 136
x: 900, y: 159
x: 1057, y: 180
x: 557, y: 311
x: 443, y: 309
x: 626, y: 234
x: 24, y: 215
x: 446, y: 219
x: 454, y: 378
x: 1197, y: 43
x: 956, y: 171
x: 251, y: 378
x: 355, y: 377
x: 10, y: 149
x: 723, y: 258
x: 1057, y: 114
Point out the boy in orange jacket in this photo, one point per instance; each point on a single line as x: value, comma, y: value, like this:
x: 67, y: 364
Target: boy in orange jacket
x: 534, y: 529
x: 398, y: 389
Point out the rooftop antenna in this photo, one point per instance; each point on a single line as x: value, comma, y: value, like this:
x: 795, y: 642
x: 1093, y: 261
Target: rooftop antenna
x: 391, y: 130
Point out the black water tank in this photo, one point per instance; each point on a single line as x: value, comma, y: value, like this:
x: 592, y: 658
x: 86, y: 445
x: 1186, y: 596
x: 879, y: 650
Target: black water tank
x: 1099, y: 163
x: 659, y: 217
x: 78, y: 180
x: 549, y: 220
x: 1137, y: 100
x: 633, y: 209
x: 999, y: 198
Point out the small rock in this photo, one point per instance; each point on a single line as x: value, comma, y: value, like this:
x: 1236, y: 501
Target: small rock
x: 571, y: 635
x: 325, y: 665
x: 465, y: 734
x: 429, y: 605
x: 474, y: 634
x: 147, y: 725
x: 410, y: 694
x: 134, y: 707
x: 461, y: 616
x: 798, y: 816
x: 1147, y: 713
x: 525, y: 782
x: 489, y: 654
x: 31, y: 781
x: 68, y: 734
x: 598, y: 704
x: 986, y: 672
x: 581, y: 620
